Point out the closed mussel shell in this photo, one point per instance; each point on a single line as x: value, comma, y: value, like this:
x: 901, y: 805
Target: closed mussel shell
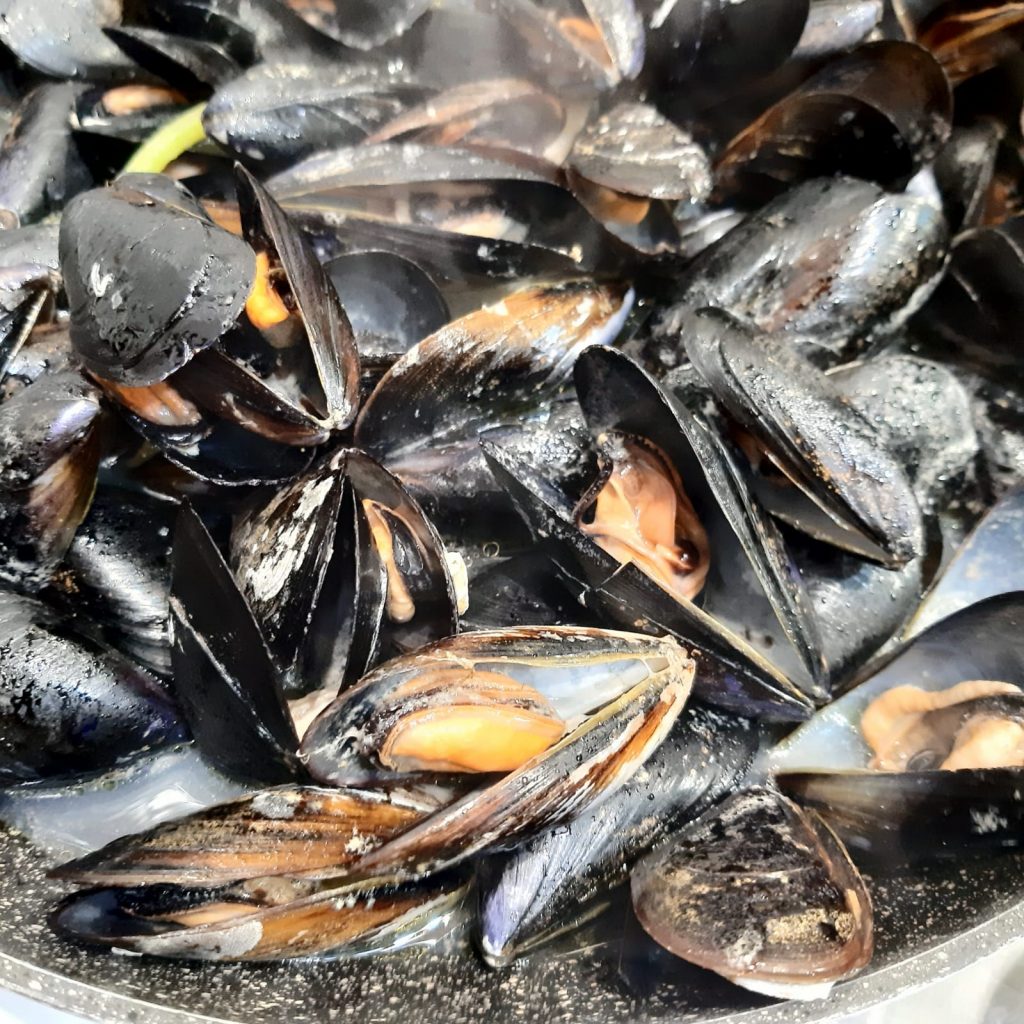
x: 135, y: 321
x: 262, y: 921
x: 289, y: 830
x: 68, y: 703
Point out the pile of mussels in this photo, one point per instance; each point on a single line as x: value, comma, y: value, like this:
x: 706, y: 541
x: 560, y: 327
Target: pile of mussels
x: 451, y: 448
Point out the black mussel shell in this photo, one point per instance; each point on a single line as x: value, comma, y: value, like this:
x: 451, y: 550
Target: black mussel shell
x: 880, y: 113
x: 488, y: 367
x: 224, y: 677
x: 279, y: 113
x: 330, y: 601
x: 192, y: 65
x: 836, y: 25
x: 329, y: 334
x: 983, y: 566
x: 29, y: 275
x: 633, y: 149
x: 704, y: 46
x: 972, y: 317
x: 362, y: 24
x: 391, y: 303
x: 141, y: 311
x: 49, y: 456
x: 118, y: 571
x: 964, y: 171
x: 589, y: 764
x: 66, y: 40
x: 727, y: 893
x: 834, y: 261
x: 70, y: 704
x: 828, y: 450
x: 40, y: 168
x: 259, y: 921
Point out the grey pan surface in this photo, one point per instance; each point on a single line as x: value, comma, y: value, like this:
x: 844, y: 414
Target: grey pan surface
x: 928, y: 924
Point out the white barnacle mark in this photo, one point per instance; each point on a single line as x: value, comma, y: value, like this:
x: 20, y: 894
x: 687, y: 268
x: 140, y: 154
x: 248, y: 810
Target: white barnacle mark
x: 275, y: 805
x: 275, y: 569
x: 360, y: 843
x: 98, y: 281
x: 228, y: 943
x: 986, y: 821
x: 116, y: 299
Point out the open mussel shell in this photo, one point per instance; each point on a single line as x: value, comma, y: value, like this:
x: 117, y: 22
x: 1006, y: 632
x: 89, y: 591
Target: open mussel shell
x: 730, y: 673
x: 508, y: 113
x: 71, y: 704
x: 830, y: 455
x: 280, y: 112
x: 971, y: 319
x: 275, y: 920
x: 835, y: 260
x: 880, y: 113
x: 328, y: 331
x: 362, y: 24
x: 633, y: 149
x: 341, y: 568
x: 966, y: 38
x: 40, y: 168
x: 391, y: 303
x: 140, y: 313
x: 49, y: 456
x: 298, y: 831
x: 224, y: 677
x: 964, y: 172
x: 130, y: 113
x: 68, y: 41
x: 251, y: 409
x: 722, y: 42
x: 626, y: 164
x: 513, y: 204
x: 522, y: 689
x: 892, y: 818
x: 192, y: 65
x: 760, y: 892
x: 983, y: 566
x: 583, y: 768
x: 836, y: 25
x: 618, y: 397
x: 564, y: 877
x: 29, y: 275
x: 118, y: 571
x: 487, y: 367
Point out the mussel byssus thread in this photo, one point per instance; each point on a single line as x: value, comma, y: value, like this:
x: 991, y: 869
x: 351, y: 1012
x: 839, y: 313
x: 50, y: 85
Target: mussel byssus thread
x: 168, y: 142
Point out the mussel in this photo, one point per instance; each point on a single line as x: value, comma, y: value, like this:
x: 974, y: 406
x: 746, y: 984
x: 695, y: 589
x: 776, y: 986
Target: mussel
x: 761, y: 892
x: 921, y: 761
